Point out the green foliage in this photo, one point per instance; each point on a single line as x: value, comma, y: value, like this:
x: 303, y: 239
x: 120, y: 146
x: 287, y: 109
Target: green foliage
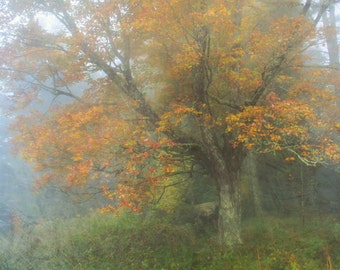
x: 99, y: 242
x: 138, y: 242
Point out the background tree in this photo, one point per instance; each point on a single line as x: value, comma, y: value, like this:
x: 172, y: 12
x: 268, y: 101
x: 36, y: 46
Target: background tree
x: 166, y: 87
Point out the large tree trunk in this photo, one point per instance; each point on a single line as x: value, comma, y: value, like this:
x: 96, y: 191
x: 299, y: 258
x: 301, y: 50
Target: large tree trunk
x: 229, y: 215
x: 250, y: 178
x: 330, y: 21
x: 224, y: 165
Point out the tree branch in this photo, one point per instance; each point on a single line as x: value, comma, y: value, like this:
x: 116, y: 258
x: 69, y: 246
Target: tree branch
x: 224, y: 102
x: 324, y: 6
x: 306, y: 7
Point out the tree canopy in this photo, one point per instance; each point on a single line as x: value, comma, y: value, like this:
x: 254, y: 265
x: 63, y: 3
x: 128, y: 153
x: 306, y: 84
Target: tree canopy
x: 160, y: 88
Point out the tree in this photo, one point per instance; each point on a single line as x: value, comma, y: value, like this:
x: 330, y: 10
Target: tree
x: 166, y: 87
x: 331, y: 36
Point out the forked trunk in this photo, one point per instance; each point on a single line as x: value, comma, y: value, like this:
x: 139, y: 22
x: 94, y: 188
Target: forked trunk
x: 229, y: 215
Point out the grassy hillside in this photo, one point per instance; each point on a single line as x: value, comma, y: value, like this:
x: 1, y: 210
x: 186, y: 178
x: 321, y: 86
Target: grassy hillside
x: 138, y: 243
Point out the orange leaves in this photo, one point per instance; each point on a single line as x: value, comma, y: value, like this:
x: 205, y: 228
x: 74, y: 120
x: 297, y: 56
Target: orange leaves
x: 290, y: 159
x: 148, y: 55
x: 107, y: 209
x: 185, y: 59
x: 275, y: 124
x: 179, y: 114
x: 79, y: 173
x: 283, y: 33
x: 169, y: 170
x: 77, y: 144
x: 275, y: 138
x: 65, y: 143
x: 288, y: 125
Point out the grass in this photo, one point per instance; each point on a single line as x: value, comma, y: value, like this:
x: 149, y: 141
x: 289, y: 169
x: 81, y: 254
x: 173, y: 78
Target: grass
x: 133, y: 242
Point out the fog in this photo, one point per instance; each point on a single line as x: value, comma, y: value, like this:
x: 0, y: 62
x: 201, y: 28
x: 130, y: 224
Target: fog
x: 208, y: 130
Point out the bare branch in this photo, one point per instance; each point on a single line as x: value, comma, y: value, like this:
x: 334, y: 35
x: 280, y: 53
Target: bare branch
x: 306, y: 7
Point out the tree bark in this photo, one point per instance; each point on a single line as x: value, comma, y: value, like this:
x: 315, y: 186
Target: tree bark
x: 331, y: 37
x: 229, y: 215
x: 224, y: 165
x: 249, y: 174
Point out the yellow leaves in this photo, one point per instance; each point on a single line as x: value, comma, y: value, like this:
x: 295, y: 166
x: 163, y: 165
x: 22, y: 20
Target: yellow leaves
x: 218, y: 15
x: 184, y: 59
x: 71, y: 143
x: 275, y: 138
x: 178, y: 114
x: 249, y: 145
x: 77, y: 158
x: 238, y: 51
x: 283, y: 34
x: 169, y: 170
x: 272, y: 127
x: 79, y: 173
x: 107, y: 193
x: 233, y: 117
x: 285, y: 124
x: 284, y: 79
x: 337, y: 126
x: 107, y: 209
x: 277, y: 147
